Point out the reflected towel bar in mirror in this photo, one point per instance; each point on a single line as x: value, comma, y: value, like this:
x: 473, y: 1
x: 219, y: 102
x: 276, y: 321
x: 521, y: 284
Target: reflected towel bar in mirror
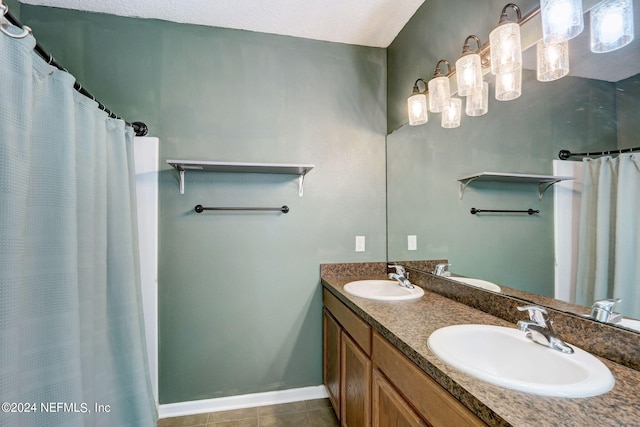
x: 528, y: 211
x: 200, y: 209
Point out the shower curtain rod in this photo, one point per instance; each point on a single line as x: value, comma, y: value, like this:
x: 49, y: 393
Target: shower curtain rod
x: 140, y: 128
x: 565, y: 154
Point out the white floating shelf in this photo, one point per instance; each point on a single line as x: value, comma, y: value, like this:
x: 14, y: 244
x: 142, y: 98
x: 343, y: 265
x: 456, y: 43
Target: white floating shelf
x: 543, y: 181
x: 241, y: 167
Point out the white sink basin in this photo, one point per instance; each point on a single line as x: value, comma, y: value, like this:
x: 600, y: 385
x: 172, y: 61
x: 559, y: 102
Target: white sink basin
x: 505, y: 357
x: 385, y: 290
x: 478, y: 283
x: 630, y: 323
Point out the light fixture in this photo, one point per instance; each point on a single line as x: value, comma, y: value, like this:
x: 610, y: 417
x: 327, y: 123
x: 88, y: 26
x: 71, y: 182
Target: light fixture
x: 451, y: 114
x: 611, y: 25
x: 506, y: 50
x: 508, y: 85
x: 417, y: 105
x: 552, y: 60
x: 478, y: 102
x: 468, y: 69
x: 439, y: 90
x: 561, y: 19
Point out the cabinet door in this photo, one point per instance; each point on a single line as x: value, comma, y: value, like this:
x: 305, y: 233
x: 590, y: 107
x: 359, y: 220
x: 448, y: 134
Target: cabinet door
x: 331, y: 360
x: 355, y: 385
x: 389, y: 409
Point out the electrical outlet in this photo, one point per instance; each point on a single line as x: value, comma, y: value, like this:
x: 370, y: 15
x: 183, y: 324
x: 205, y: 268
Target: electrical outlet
x: 359, y: 243
x: 412, y: 243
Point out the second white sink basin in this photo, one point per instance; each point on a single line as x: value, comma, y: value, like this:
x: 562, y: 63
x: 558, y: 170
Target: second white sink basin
x: 478, y: 283
x: 505, y: 357
x: 385, y: 290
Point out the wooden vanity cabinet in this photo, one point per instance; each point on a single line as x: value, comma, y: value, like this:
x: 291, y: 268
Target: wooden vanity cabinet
x: 331, y: 359
x: 355, y: 384
x: 371, y: 383
x: 430, y: 400
x: 389, y: 407
x: 347, y: 363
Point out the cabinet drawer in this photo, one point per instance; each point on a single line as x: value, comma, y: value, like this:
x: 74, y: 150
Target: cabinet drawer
x: 359, y: 330
x: 431, y: 401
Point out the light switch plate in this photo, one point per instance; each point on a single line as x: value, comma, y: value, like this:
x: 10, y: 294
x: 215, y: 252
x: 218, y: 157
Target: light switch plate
x: 359, y: 243
x: 412, y: 243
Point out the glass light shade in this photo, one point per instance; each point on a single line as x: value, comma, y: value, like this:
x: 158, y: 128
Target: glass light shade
x: 552, y: 60
x: 611, y: 25
x: 469, y: 74
x: 439, y: 94
x: 506, y: 50
x: 451, y: 114
x: 417, y: 105
x: 478, y: 102
x: 561, y: 19
x: 508, y: 85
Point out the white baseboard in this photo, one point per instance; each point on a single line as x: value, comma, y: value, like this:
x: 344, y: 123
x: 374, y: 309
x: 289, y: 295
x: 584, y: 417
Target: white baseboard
x: 244, y: 401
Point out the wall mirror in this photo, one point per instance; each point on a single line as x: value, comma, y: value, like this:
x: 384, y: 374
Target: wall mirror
x: 594, y: 108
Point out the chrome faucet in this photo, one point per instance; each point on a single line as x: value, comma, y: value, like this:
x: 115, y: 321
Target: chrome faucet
x: 539, y: 329
x: 401, y: 276
x: 602, y: 311
x: 441, y: 270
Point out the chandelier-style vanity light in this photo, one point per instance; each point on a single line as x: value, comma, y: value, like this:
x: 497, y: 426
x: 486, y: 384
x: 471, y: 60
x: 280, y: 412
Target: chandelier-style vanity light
x: 468, y: 69
x: 417, y: 105
x: 506, y: 47
x: 611, y: 25
x: 451, y: 114
x: 439, y: 90
x: 478, y: 101
x: 552, y: 60
x: 561, y: 19
x: 509, y: 85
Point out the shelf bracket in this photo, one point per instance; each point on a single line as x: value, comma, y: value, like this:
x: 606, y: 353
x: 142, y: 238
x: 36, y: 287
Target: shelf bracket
x: 544, y: 186
x: 181, y: 179
x: 463, y: 186
x: 301, y: 185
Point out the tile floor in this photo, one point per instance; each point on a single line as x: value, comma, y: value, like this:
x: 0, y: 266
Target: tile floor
x: 309, y: 413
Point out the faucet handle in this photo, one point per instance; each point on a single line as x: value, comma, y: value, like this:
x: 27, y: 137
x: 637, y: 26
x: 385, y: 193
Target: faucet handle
x: 399, y: 269
x: 602, y: 310
x: 537, y: 314
x: 440, y: 269
x: 606, y: 304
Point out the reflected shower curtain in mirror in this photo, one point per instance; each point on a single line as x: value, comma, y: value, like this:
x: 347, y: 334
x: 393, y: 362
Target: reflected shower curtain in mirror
x: 71, y: 331
x: 609, y: 233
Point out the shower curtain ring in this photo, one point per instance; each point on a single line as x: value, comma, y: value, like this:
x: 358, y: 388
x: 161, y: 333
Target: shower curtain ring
x: 3, y: 25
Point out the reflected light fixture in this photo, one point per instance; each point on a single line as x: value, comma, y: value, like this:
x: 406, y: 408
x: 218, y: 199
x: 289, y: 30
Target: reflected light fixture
x: 468, y: 69
x: 561, y: 19
x: 506, y: 50
x: 439, y: 90
x: 417, y: 105
x: 451, y: 114
x: 478, y: 102
x: 509, y: 85
x: 611, y: 25
x: 552, y: 60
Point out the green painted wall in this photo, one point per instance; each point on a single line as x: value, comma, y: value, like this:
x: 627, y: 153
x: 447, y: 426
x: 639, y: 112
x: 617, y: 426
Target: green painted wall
x: 520, y: 136
x: 627, y: 107
x: 239, y: 294
x: 14, y: 7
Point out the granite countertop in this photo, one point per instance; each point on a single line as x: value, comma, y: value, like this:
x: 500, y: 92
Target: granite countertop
x: 408, y: 324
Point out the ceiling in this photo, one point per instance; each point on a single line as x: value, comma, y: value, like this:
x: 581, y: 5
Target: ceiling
x: 359, y: 22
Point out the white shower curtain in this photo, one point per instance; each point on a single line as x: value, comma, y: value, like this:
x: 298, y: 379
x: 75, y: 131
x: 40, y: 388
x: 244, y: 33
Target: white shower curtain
x: 609, y: 235
x: 72, y: 347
